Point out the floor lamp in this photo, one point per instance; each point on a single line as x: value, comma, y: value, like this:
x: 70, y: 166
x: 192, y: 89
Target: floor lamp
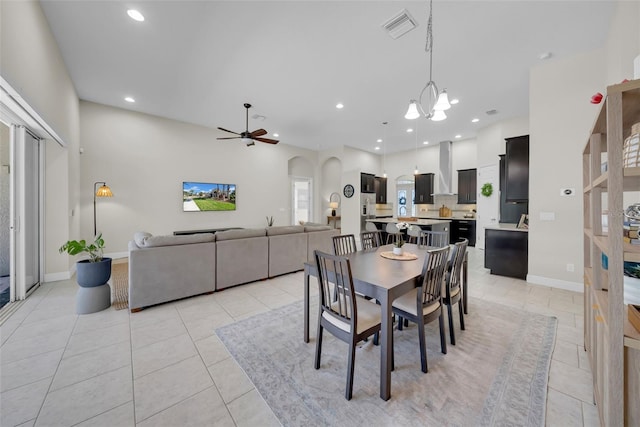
x: 103, y: 191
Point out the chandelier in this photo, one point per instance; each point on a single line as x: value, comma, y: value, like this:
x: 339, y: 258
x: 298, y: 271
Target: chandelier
x: 436, y: 102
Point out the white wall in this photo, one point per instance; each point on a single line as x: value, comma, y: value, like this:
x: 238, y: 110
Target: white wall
x: 145, y: 159
x: 32, y: 64
x: 623, y: 43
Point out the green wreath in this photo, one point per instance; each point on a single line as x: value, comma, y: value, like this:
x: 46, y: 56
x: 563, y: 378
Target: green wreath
x: 487, y: 189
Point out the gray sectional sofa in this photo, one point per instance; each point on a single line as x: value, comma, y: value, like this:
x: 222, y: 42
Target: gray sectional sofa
x: 166, y: 268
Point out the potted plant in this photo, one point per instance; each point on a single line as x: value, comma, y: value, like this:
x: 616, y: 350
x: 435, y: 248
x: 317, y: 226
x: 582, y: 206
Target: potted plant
x: 397, y: 245
x: 94, y: 271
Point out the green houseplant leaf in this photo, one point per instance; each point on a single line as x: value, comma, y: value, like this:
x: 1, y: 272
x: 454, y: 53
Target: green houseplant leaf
x: 76, y: 247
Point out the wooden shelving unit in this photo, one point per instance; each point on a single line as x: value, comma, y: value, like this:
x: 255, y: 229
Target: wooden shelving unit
x: 612, y: 342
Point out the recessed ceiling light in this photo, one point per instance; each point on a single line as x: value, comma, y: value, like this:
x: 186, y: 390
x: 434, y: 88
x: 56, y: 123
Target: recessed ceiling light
x: 454, y: 101
x: 475, y: 120
x: 339, y: 105
x: 458, y: 136
x: 409, y: 130
x: 377, y: 148
x: 425, y: 143
x: 129, y: 99
x: 379, y: 140
x: 276, y: 135
x: 135, y: 15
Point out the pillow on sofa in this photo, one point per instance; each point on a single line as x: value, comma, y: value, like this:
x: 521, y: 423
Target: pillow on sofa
x: 155, y: 241
x: 311, y: 228
x: 140, y: 237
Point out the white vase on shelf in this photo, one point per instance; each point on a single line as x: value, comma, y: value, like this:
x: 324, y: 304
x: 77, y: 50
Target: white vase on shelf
x: 397, y: 250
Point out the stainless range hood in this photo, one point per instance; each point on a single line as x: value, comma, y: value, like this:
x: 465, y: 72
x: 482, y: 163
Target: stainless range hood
x: 445, y: 177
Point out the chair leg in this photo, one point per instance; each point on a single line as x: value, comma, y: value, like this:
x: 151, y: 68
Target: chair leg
x: 318, y: 346
x: 352, y: 359
x: 406, y: 322
x: 393, y: 361
x: 400, y: 322
x: 443, y: 337
x: 460, y: 308
x: 451, y: 331
x: 423, y: 347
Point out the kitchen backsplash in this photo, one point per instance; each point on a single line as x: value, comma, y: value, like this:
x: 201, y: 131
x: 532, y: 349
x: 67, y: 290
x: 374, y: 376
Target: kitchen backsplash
x: 449, y: 201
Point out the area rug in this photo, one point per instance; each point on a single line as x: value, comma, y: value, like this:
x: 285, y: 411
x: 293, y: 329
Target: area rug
x: 495, y: 375
x: 120, y: 285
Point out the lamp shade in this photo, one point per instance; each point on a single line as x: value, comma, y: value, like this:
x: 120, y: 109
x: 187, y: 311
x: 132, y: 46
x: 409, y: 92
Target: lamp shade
x: 104, y: 191
x: 412, y: 112
x: 443, y: 102
x: 333, y: 205
x: 438, y: 115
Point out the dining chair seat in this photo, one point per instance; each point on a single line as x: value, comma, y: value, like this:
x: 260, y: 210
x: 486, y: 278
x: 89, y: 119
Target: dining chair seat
x: 407, y: 303
x: 369, y: 315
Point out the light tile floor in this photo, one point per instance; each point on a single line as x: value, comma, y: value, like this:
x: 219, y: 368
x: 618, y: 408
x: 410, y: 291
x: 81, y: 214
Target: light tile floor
x: 164, y: 366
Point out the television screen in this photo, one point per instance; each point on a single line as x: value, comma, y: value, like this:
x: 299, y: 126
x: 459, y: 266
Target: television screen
x: 204, y: 196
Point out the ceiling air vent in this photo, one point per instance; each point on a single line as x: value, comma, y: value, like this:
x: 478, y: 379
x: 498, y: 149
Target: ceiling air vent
x: 400, y: 24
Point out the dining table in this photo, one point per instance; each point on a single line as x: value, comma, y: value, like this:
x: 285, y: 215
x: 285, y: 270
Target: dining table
x: 383, y: 279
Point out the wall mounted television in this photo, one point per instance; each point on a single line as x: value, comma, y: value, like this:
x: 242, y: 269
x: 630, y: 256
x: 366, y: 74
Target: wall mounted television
x: 208, y: 196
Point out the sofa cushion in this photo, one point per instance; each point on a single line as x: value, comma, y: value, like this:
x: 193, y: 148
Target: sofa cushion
x: 169, y: 240
x: 288, y: 229
x: 312, y: 228
x: 244, y: 233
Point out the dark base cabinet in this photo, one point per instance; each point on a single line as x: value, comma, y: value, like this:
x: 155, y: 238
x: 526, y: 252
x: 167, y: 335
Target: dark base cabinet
x: 463, y: 229
x: 506, y: 253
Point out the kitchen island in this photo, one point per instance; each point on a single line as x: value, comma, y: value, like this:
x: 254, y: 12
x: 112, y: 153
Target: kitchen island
x: 425, y: 224
x: 506, y: 251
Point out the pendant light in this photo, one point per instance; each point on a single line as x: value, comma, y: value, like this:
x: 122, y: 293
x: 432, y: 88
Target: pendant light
x: 384, y: 151
x: 436, y: 102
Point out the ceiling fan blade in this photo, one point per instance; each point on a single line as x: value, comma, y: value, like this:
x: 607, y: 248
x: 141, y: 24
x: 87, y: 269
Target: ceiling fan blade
x: 258, y: 132
x: 267, y: 140
x: 230, y: 131
x: 230, y: 137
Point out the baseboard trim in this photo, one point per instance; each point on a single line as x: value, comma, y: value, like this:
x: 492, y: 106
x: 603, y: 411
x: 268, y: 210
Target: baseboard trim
x: 555, y: 283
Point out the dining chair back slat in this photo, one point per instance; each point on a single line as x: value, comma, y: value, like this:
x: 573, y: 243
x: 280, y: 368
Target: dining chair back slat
x: 453, y: 286
x: 345, y: 244
x: 435, y: 239
x: 370, y: 239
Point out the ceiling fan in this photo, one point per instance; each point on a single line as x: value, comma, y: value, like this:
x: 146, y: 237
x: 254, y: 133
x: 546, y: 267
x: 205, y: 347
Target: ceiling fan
x: 247, y: 137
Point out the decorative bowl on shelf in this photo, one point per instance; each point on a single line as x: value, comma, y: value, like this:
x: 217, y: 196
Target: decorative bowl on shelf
x: 633, y: 212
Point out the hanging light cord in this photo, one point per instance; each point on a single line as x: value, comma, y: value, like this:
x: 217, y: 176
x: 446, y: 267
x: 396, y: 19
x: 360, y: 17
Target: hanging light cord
x: 428, y: 47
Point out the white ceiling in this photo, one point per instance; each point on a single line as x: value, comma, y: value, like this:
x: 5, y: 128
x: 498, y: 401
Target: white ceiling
x: 199, y: 61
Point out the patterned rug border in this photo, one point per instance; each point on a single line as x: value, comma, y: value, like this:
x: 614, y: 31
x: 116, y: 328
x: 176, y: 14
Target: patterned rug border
x: 498, y: 398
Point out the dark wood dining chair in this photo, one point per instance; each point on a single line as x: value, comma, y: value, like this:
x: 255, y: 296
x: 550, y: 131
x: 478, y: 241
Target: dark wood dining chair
x: 423, y: 304
x: 345, y: 244
x: 371, y: 239
x: 435, y: 239
x: 349, y: 318
x: 453, y: 287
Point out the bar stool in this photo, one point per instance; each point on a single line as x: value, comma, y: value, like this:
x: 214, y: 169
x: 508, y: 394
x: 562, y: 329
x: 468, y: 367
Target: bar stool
x: 415, y: 234
x: 370, y: 226
x: 393, y: 233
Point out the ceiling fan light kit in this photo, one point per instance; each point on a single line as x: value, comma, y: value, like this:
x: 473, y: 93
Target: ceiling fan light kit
x: 437, y: 102
x: 249, y: 138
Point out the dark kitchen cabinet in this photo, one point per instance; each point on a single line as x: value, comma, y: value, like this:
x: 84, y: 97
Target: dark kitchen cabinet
x: 517, y: 169
x: 510, y: 212
x: 381, y: 190
x: 467, y: 186
x: 367, y: 183
x: 506, y: 252
x: 463, y: 229
x: 424, y: 189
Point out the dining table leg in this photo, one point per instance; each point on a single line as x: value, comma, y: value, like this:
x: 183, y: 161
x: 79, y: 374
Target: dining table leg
x: 386, y: 348
x: 306, y: 303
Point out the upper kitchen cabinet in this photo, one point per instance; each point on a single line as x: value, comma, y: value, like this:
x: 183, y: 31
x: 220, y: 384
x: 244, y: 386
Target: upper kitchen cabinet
x: 381, y: 190
x: 517, y: 169
x: 367, y: 183
x: 424, y: 188
x: 467, y: 186
x: 510, y: 212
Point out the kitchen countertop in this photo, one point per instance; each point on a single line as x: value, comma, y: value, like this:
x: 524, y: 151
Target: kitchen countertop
x: 446, y: 217
x: 506, y: 227
x: 421, y: 221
